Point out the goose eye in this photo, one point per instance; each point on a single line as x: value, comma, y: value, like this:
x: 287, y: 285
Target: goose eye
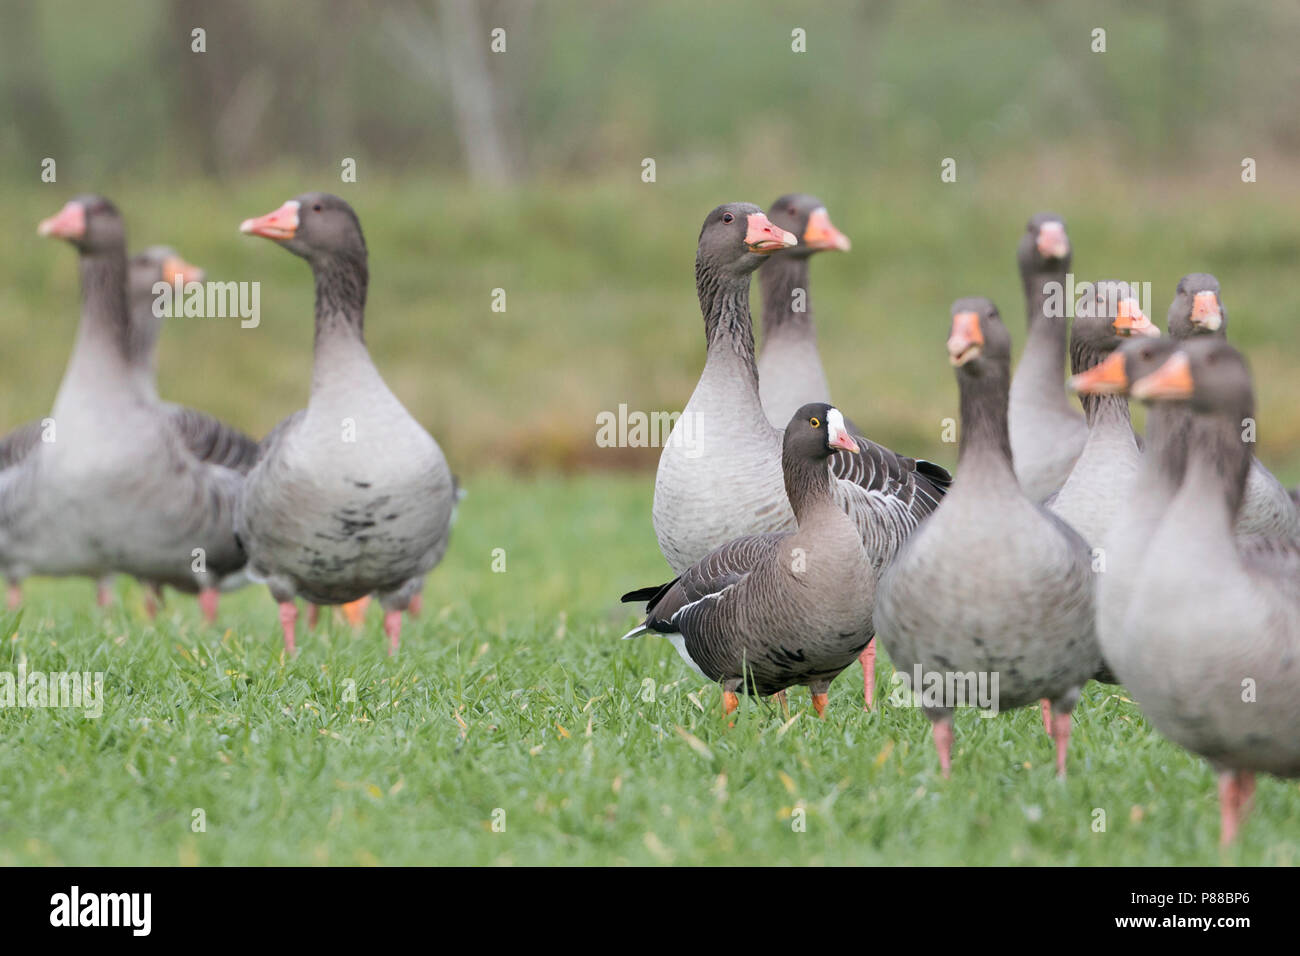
x: 728, y: 217
x: 814, y: 423
x: 316, y: 207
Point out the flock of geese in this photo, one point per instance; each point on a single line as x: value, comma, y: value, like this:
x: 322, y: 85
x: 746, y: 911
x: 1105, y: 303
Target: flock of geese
x: 347, y: 498
x: 1067, y: 548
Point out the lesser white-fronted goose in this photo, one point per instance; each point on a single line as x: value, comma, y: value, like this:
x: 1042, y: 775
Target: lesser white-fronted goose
x: 1267, y: 507
x: 1210, y: 645
x: 768, y: 611
x: 719, y: 475
x: 1047, y: 432
x: 117, y: 489
x: 993, y: 583
x: 350, y: 495
x: 789, y: 368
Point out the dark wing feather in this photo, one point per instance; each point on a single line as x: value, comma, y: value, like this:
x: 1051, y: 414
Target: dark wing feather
x: 713, y: 574
x: 213, y: 441
x: 918, y: 484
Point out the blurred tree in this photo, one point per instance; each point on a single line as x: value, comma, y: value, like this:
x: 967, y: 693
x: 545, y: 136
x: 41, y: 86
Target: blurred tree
x: 32, y: 115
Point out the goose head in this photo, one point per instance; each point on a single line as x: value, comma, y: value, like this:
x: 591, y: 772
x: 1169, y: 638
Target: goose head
x: 735, y: 239
x: 91, y: 223
x: 978, y: 342
x: 816, y: 432
x: 316, y: 226
x: 1128, y: 363
x: 159, y: 264
x: 1045, y: 246
x: 1106, y: 314
x: 1207, y: 373
x: 1197, y: 308
x: 805, y: 218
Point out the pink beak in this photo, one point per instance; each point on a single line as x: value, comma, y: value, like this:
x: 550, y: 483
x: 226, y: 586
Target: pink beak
x: 68, y: 223
x: 280, y: 224
x: 1052, y: 240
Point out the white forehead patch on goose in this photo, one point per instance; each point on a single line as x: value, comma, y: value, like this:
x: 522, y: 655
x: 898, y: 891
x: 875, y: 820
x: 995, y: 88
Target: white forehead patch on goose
x: 835, y: 422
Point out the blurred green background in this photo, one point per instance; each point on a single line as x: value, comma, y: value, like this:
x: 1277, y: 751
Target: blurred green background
x: 521, y: 170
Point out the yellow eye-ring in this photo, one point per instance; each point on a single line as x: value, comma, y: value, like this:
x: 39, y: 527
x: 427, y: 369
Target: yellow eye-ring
x: 814, y: 423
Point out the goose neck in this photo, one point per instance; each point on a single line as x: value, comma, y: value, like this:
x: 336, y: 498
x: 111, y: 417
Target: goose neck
x: 728, y: 329
x: 787, y: 306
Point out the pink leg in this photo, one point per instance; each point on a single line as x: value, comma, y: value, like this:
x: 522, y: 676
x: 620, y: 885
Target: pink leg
x: 868, y: 659
x: 1061, y: 734
x: 288, y: 615
x: 1236, y: 789
x: 103, y: 594
x: 151, y: 603
x: 393, y: 628
x: 416, y: 605
x: 208, y: 603
x: 15, y: 596
x: 943, y: 743
x: 313, y: 616
x: 1047, y: 715
x: 1228, y: 797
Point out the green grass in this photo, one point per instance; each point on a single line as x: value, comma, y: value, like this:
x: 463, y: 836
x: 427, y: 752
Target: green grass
x: 513, y: 692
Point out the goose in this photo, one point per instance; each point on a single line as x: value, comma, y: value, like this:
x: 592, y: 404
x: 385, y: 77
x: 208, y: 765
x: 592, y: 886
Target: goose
x: 117, y: 487
x: 768, y: 611
x: 789, y: 369
x: 1091, y: 497
x: 350, y: 495
x: 719, y: 474
x: 209, y: 439
x: 992, y: 584
x: 1142, y: 501
x: 1210, y: 646
x: 1197, y: 310
x: 1047, y: 432
x: 155, y: 264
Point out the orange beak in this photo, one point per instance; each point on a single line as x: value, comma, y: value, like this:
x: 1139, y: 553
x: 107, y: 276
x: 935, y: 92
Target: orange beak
x: 1053, y: 243
x: 1171, y: 381
x: 355, y: 611
x: 764, y: 238
x: 820, y: 234
x: 966, y: 339
x: 1205, y: 311
x: 280, y: 224
x: 1107, y: 378
x: 1130, y: 320
x: 68, y: 223
x: 174, y: 267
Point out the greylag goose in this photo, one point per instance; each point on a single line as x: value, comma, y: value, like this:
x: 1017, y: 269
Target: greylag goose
x: 1210, y: 646
x: 1143, y: 500
x: 719, y: 474
x: 117, y: 489
x: 1091, y: 498
x: 209, y: 439
x: 993, y: 584
x: 1047, y: 432
x: 350, y: 495
x: 156, y: 264
x: 1197, y: 310
x: 768, y: 611
x: 789, y: 369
